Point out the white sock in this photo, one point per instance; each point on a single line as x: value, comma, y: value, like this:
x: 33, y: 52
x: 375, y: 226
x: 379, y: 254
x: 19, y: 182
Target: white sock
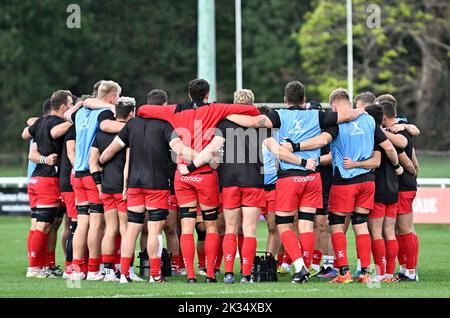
x: 358, y: 267
x: 102, y: 268
x: 387, y: 276
x: 316, y: 267
x: 160, y: 248
x: 298, y: 263
x: 411, y: 273
x: 328, y: 261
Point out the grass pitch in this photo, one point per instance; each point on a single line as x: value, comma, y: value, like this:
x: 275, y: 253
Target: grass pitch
x: 434, y: 263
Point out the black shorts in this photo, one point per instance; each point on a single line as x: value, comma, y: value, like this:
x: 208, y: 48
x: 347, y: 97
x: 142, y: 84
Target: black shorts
x: 61, y: 212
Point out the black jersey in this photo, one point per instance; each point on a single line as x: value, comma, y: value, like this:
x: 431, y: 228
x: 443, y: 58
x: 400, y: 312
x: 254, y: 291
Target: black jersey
x: 148, y: 140
x: 407, y: 182
x: 386, y: 181
x: 326, y: 172
x: 242, y: 153
x: 46, y: 145
x: 112, y: 175
x: 66, y: 167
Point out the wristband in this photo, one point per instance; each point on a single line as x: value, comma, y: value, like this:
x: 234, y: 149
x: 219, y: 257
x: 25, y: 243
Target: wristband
x: 303, y: 162
x: 295, y: 146
x: 97, y: 176
x: 42, y: 159
x: 191, y: 167
x: 397, y: 166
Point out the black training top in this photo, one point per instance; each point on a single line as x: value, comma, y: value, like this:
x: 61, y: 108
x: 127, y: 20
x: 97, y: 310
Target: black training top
x: 66, y: 167
x: 112, y: 175
x: 242, y: 153
x: 148, y: 140
x: 386, y: 181
x: 46, y: 145
x: 407, y: 182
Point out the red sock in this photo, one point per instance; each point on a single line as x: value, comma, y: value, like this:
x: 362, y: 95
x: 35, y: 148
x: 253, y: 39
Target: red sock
x: 77, y: 265
x: 93, y: 265
x: 201, y: 258
x: 29, y: 239
x: 108, y: 258
x: 401, y: 256
x: 219, y: 258
x: 307, y: 243
x: 279, y: 259
x: 364, y: 250
x: 391, y: 254
x: 176, y: 260
x: 68, y: 267
x: 51, y: 258
x: 188, y: 247
x: 155, y: 267
x: 211, y: 249
x: 317, y: 257
x: 409, y: 248
x: 291, y: 244
x: 416, y: 248
x: 286, y: 258
x: 248, y: 254
x: 180, y: 258
x: 240, y: 242
x: 229, y: 250
x: 117, y: 242
x: 125, y: 265
x: 379, y: 256
x: 340, y: 248
x: 38, y: 247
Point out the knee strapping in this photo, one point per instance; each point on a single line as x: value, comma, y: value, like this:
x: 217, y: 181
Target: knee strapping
x: 134, y: 217
x: 46, y: 215
x: 284, y: 219
x: 83, y: 209
x: 188, y: 212
x: 335, y: 219
x: 211, y: 214
x: 306, y: 216
x: 96, y: 208
x: 157, y: 215
x: 359, y: 218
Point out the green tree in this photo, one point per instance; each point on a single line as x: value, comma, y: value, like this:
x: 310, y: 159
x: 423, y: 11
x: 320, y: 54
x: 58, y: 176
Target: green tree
x: 408, y: 56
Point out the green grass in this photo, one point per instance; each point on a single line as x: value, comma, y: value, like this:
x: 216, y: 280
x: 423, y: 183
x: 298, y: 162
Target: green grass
x: 433, y: 266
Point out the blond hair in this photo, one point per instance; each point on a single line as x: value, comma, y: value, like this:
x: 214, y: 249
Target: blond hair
x: 339, y: 94
x: 107, y: 87
x: 244, y: 96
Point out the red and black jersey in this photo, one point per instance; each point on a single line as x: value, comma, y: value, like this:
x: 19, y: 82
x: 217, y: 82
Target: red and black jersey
x: 65, y: 168
x: 46, y: 145
x: 195, y: 121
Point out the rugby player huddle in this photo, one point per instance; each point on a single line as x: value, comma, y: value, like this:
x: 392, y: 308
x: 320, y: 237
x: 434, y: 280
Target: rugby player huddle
x: 213, y: 168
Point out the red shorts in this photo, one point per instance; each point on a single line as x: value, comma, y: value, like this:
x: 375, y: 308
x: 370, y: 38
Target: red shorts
x: 86, y: 190
x: 150, y: 198
x: 173, y: 202
x: 203, y: 188
x: 299, y: 191
x: 235, y: 197
x: 68, y: 199
x: 44, y: 191
x: 380, y: 210
x: 113, y: 201
x: 405, y: 202
x: 344, y: 198
x: 269, y: 197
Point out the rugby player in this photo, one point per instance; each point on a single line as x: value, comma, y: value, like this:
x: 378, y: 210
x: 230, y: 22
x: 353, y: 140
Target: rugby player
x: 148, y: 185
x: 297, y: 190
x: 112, y: 186
x: 364, y: 99
x: 353, y: 189
x: 195, y: 122
x: 407, y: 238
x: 44, y: 184
x: 90, y: 219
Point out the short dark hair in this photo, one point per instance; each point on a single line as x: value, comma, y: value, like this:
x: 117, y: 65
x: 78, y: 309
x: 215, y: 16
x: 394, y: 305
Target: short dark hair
x: 389, y: 108
x: 156, y: 97
x: 198, y: 89
x: 59, y: 98
x: 294, y: 92
x: 367, y: 98
x: 125, y: 105
x: 46, y: 107
x: 376, y: 111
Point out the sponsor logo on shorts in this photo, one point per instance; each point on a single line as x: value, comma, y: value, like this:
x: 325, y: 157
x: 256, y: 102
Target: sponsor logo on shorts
x: 304, y: 179
x: 191, y: 178
x: 33, y: 180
